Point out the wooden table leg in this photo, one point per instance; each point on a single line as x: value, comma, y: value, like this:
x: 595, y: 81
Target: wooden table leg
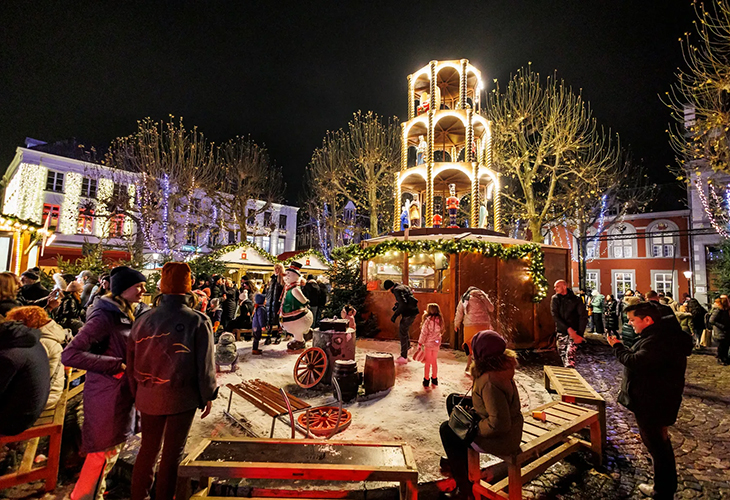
x: 514, y: 471
x: 597, y: 442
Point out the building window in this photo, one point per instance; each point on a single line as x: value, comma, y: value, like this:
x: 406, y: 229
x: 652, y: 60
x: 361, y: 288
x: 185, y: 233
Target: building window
x: 54, y: 182
x: 266, y: 243
x: 663, y: 282
x: 282, y: 221
x: 192, y: 239
x: 662, y: 239
x: 53, y: 211
x: 213, y: 236
x: 622, y: 282
x: 250, y: 238
x: 592, y: 281
x: 231, y: 237
x: 86, y: 221
x: 622, y: 241
x: 251, y: 220
x: 116, y: 226
x: 88, y: 188
x: 282, y: 245
x: 267, y: 219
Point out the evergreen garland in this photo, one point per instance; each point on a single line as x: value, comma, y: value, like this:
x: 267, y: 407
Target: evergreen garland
x: 530, y: 252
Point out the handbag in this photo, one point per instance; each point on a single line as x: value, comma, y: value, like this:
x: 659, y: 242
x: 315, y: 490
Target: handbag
x: 418, y: 353
x: 464, y: 421
x: 706, y: 339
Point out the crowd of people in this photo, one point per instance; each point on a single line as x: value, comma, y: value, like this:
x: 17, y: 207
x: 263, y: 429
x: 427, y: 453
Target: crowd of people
x: 102, y: 326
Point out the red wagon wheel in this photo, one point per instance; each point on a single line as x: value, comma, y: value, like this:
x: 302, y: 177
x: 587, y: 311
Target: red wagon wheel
x: 310, y: 367
x: 323, y: 419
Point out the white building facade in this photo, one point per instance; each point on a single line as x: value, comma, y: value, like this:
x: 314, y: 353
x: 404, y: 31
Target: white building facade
x: 66, y: 193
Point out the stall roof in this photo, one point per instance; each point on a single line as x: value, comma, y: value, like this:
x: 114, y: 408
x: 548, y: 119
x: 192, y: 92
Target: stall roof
x: 307, y: 260
x: 247, y: 256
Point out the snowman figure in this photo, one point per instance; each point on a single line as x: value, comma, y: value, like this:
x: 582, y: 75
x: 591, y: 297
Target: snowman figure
x: 296, y: 317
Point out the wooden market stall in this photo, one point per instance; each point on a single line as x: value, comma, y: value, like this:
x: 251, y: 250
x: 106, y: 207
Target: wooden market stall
x: 440, y: 264
x: 248, y: 259
x: 22, y: 243
x: 312, y: 262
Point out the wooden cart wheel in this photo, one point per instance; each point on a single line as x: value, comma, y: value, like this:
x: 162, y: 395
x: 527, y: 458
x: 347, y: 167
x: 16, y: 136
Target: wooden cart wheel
x: 323, y: 419
x: 310, y: 367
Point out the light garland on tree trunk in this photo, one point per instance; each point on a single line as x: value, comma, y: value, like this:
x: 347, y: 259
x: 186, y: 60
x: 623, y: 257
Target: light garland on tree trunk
x: 706, y: 207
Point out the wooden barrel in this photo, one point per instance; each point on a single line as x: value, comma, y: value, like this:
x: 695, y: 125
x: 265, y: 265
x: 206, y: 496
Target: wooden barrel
x: 379, y: 372
x: 346, y: 374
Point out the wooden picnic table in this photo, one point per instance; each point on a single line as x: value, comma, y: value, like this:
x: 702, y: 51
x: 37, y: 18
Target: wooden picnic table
x: 301, y: 459
x: 543, y: 444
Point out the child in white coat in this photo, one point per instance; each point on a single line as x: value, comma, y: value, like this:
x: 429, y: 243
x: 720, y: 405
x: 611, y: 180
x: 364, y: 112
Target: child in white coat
x: 432, y: 328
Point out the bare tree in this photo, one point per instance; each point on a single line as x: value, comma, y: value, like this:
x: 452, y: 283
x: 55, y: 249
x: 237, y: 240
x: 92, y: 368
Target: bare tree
x: 700, y: 98
x: 169, y: 168
x: 245, y: 174
x: 548, y: 148
x: 358, y: 164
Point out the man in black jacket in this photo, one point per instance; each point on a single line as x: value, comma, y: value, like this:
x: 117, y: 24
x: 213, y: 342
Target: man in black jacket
x: 406, y: 306
x: 32, y: 291
x: 652, y: 388
x: 570, y: 316
x: 311, y: 292
x: 25, y: 379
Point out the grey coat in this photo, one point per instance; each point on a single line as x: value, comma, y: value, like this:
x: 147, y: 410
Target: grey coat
x: 100, y: 348
x: 170, y: 362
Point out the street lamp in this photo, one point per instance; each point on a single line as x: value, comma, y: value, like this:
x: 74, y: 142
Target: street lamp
x: 688, y: 275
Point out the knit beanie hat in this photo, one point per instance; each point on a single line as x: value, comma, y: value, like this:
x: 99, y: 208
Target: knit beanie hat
x: 259, y: 299
x: 176, y: 278
x: 487, y: 344
x: 123, y: 277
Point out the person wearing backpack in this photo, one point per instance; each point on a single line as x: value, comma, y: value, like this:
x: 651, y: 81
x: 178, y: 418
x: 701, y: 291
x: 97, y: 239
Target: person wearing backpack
x: 406, y: 306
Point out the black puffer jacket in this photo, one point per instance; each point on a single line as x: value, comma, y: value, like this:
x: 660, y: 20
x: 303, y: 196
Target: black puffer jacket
x: 25, y: 378
x: 569, y: 312
x: 720, y: 322
x: 654, y: 367
x: 406, y: 304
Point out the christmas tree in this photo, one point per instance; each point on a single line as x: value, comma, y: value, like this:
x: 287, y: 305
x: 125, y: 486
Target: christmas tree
x: 348, y: 288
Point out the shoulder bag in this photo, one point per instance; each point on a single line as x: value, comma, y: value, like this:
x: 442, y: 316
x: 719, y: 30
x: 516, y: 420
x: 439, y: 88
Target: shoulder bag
x: 464, y: 421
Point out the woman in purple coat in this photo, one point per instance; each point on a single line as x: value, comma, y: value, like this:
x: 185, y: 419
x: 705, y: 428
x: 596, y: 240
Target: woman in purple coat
x: 100, y: 348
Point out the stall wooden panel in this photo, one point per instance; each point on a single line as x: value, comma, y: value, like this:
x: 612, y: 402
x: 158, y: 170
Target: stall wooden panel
x: 516, y: 314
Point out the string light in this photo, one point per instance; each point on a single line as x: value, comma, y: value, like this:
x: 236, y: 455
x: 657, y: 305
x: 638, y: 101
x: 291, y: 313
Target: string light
x: 104, y: 193
x: 706, y: 207
x: 70, y: 209
x: 23, y: 195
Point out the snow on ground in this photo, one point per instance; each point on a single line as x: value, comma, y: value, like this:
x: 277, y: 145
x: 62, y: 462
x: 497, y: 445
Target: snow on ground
x: 409, y: 412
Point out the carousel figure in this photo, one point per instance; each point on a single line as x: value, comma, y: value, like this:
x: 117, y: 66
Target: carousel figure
x: 421, y: 150
x: 414, y: 212
x: 452, y: 204
x: 483, y: 213
x: 404, y: 216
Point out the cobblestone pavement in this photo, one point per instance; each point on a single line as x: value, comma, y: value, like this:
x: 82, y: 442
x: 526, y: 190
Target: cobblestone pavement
x: 701, y: 436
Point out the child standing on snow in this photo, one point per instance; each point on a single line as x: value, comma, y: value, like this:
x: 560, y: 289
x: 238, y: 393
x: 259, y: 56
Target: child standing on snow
x: 259, y: 322
x: 432, y: 328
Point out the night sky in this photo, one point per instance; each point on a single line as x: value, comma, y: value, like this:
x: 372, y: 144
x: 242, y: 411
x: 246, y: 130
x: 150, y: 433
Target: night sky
x: 286, y: 72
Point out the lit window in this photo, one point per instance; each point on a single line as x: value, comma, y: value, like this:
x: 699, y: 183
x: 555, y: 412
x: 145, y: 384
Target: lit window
x: 86, y: 221
x: 54, y: 182
x: 282, y: 245
x: 266, y: 243
x: 663, y: 282
x: 116, y: 226
x: 53, y: 211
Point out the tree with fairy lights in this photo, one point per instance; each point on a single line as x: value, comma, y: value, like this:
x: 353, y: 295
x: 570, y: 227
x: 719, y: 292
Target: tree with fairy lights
x: 700, y: 104
x: 548, y: 149
x: 355, y: 164
x: 162, y: 175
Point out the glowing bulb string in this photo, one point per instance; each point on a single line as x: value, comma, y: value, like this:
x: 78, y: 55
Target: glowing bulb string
x: 706, y: 207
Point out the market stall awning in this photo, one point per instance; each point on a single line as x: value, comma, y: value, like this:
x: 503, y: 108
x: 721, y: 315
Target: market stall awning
x: 246, y: 256
x: 310, y: 261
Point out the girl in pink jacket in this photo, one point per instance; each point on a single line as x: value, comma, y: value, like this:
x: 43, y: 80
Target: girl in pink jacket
x: 432, y: 328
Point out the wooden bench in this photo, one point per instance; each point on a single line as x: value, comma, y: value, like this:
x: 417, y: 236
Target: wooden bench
x: 573, y: 388
x: 299, y: 460
x: 265, y: 397
x: 543, y: 444
x: 247, y: 333
x: 50, y: 423
x: 73, y: 374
